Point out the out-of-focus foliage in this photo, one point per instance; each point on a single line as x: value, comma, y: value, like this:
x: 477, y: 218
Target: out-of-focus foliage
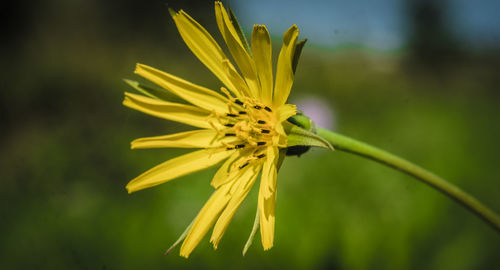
x: 65, y: 152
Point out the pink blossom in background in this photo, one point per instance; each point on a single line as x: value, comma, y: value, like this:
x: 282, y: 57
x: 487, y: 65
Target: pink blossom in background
x: 318, y: 110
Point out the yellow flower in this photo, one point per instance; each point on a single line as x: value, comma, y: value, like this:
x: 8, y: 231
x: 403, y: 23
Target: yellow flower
x: 242, y: 128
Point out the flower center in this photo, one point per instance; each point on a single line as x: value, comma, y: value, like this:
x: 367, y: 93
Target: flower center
x: 251, y: 122
x: 249, y: 126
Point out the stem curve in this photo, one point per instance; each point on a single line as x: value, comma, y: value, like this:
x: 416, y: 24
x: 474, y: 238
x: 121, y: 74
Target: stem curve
x: 346, y: 144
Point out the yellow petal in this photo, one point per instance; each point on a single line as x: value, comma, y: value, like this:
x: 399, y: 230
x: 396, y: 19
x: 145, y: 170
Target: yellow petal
x: 202, y: 138
x: 176, y: 167
x: 240, y: 86
x: 195, y: 94
x: 237, y: 49
x: 203, y: 45
x: 286, y: 111
x: 284, y: 72
x: 223, y: 174
x: 205, y: 218
x: 267, y: 198
x: 261, y: 48
x: 182, y: 113
x: 244, y: 183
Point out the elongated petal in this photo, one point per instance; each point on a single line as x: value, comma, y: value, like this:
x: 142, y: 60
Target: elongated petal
x: 262, y: 50
x: 245, y: 181
x: 195, y: 94
x: 223, y: 174
x: 284, y: 71
x: 202, y: 138
x: 203, y: 45
x: 237, y: 49
x: 286, y: 111
x: 181, y: 113
x: 205, y: 218
x: 267, y: 198
x: 240, y: 86
x: 176, y: 167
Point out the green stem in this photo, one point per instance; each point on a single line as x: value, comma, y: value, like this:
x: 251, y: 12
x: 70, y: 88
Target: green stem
x: 347, y: 144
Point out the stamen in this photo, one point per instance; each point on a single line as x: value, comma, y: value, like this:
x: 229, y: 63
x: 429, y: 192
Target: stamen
x: 267, y: 109
x: 228, y: 146
x: 215, y: 128
x: 261, y: 143
x: 238, y: 146
x: 250, y: 141
x: 217, y: 116
x: 261, y: 156
x: 230, y: 107
x: 242, y: 112
x: 265, y: 131
x: 244, y: 165
x: 230, y: 134
x: 257, y: 107
x: 229, y: 125
x: 262, y: 122
x: 239, y: 102
x: 231, y: 115
x: 224, y: 90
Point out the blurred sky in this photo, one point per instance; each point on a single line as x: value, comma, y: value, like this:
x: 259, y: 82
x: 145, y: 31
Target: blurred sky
x: 377, y: 25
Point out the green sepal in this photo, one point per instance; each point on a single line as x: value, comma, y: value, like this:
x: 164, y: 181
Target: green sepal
x: 298, y: 136
x: 296, y: 54
x: 156, y: 93
x: 255, y: 227
x: 301, y: 135
x: 302, y: 121
x: 239, y: 31
x: 179, y: 240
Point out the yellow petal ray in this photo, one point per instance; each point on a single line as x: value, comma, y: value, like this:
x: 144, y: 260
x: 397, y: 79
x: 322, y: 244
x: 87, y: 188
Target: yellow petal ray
x: 238, y: 51
x: 267, y: 198
x: 245, y: 181
x: 284, y: 72
x: 262, y: 50
x: 286, y: 111
x: 195, y: 94
x: 181, y: 113
x: 203, y: 45
x: 223, y: 174
x: 240, y: 86
x: 177, y: 167
x: 201, y: 138
x: 205, y: 218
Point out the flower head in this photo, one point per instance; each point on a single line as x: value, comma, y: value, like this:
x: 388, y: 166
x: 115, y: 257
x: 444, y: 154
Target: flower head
x: 242, y: 128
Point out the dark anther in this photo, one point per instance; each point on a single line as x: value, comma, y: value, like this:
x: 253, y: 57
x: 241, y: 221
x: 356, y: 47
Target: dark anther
x: 231, y: 115
x: 229, y: 125
x: 229, y: 148
x: 261, y: 143
x: 265, y: 131
x: 257, y: 107
x: 261, y: 121
x: 230, y: 134
x: 261, y: 155
x: 237, y: 101
x: 244, y: 165
x: 242, y: 112
x: 267, y: 109
x: 238, y: 146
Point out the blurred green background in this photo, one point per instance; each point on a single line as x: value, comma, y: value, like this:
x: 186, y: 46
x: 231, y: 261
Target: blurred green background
x: 432, y: 97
